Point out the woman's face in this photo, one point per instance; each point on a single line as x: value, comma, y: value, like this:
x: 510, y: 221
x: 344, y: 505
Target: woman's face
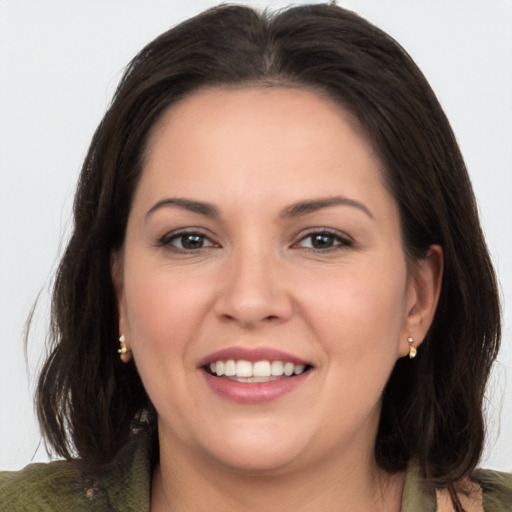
x: 262, y: 241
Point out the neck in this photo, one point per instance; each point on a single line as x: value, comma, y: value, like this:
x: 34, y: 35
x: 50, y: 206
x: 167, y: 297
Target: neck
x: 185, y: 483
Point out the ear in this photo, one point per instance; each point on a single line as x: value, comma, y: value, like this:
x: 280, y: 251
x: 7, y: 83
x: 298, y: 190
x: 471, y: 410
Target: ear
x: 116, y: 270
x: 423, y: 290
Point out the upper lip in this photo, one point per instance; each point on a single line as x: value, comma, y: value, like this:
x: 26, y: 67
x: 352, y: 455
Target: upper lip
x: 252, y: 355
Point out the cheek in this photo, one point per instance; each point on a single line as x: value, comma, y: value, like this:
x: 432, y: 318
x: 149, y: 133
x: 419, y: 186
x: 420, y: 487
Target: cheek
x: 163, y: 318
x: 162, y: 308
x: 359, y: 312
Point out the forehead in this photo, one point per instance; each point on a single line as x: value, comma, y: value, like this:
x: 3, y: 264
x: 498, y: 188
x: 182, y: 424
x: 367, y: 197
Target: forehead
x: 248, y: 100
x: 279, y: 136
x: 258, y: 114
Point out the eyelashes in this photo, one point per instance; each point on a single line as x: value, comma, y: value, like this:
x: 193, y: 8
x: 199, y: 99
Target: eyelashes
x: 186, y: 241
x: 319, y: 240
x: 324, y: 240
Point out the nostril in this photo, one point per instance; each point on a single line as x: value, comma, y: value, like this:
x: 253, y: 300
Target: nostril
x: 252, y: 305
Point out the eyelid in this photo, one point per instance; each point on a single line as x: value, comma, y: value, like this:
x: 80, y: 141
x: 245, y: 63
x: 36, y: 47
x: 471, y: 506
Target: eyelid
x: 166, y: 240
x: 343, y: 239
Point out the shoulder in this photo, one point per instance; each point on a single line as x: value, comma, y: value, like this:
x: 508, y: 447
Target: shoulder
x: 496, y: 489
x: 122, y: 484
x: 53, y: 486
x: 484, y: 490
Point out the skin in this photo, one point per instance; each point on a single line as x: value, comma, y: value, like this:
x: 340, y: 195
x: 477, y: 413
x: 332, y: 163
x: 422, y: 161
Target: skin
x: 258, y: 280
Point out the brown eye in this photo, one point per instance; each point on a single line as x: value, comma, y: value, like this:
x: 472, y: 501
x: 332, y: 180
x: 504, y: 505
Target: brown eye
x: 324, y: 240
x: 186, y: 241
x: 191, y: 241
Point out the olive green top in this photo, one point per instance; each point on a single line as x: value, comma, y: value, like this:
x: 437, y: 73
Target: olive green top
x: 124, y: 486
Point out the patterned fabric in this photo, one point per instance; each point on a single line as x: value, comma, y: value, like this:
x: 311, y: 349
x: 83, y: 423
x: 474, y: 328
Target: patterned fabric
x: 124, y: 486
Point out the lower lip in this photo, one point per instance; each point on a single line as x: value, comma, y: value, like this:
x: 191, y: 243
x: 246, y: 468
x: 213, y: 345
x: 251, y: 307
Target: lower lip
x: 254, y: 392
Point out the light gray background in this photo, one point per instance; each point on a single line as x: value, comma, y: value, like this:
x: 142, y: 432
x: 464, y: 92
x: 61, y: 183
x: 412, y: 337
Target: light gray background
x: 59, y: 63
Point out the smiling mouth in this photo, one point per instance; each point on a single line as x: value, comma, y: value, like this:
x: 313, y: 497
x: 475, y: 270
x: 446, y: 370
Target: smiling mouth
x: 259, y: 371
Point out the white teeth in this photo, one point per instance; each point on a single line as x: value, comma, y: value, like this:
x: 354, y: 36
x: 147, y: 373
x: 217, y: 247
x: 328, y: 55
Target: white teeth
x: 230, y: 368
x: 288, y: 369
x: 277, y: 368
x: 260, y: 371
x: 243, y: 368
x: 298, y: 369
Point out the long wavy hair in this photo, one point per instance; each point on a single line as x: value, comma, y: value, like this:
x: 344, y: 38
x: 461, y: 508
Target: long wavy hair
x: 89, y: 403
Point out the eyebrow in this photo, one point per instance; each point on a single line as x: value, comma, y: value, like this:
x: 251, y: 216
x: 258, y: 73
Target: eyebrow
x: 294, y: 210
x: 200, y: 207
x: 311, y: 206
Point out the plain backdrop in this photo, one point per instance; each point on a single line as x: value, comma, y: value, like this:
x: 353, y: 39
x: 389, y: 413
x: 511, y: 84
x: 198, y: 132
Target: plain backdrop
x: 60, y: 61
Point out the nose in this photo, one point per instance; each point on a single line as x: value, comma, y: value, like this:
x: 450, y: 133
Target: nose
x: 254, y: 291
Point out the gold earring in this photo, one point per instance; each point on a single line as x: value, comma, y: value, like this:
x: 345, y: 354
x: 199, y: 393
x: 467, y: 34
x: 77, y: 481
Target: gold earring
x: 124, y: 351
x: 412, y: 348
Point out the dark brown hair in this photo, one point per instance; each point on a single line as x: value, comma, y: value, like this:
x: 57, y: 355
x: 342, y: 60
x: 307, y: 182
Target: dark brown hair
x: 89, y: 402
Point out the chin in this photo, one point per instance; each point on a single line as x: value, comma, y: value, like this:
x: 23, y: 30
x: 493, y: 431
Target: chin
x: 258, y: 451
x: 256, y: 462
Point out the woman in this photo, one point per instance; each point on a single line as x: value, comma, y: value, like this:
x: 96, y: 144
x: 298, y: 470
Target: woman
x: 276, y: 234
